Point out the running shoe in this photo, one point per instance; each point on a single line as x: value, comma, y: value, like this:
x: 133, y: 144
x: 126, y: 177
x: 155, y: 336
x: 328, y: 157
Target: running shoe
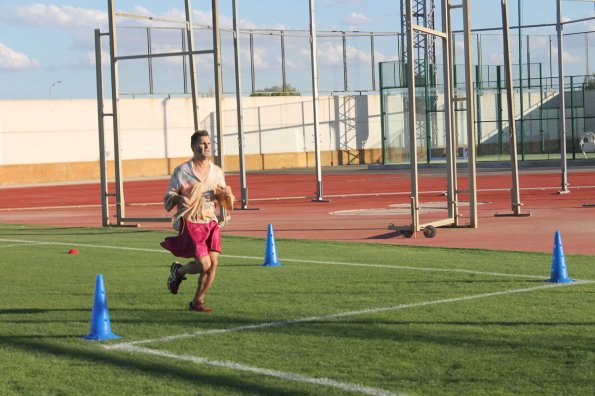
x: 173, y: 281
x: 199, y: 307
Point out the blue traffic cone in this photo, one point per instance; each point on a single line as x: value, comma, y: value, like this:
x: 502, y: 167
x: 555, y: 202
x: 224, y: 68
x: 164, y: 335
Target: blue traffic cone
x: 559, y: 269
x: 270, y: 255
x: 100, y: 324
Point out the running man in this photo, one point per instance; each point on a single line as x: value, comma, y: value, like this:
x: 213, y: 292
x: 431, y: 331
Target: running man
x: 194, y: 188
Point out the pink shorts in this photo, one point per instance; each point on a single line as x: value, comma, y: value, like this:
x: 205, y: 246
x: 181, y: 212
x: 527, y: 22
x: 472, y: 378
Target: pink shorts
x: 194, y: 240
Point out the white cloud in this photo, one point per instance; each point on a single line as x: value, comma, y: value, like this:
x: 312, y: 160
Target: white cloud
x: 567, y: 57
x: 341, y: 3
x: 89, y: 59
x: 332, y: 54
x: 53, y: 16
x: 496, y: 58
x: 13, y: 60
x: 356, y: 18
x: 260, y: 58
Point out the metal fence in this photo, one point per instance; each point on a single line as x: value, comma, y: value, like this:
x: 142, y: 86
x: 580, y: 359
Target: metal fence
x: 536, y: 108
x: 348, y: 61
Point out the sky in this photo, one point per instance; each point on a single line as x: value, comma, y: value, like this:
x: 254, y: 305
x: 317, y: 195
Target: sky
x: 47, y: 47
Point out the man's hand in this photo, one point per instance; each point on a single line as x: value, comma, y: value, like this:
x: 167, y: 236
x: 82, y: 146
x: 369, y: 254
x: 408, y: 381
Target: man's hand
x: 225, y: 197
x: 182, y: 201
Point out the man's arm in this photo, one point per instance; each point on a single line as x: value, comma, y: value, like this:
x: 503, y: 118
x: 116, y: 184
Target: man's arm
x: 172, y: 196
x: 171, y: 200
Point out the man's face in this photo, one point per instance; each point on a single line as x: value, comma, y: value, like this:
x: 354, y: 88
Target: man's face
x: 202, y: 148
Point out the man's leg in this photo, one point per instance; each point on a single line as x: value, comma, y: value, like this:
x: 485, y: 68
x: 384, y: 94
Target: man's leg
x: 205, y: 280
x: 178, y: 272
x: 194, y: 267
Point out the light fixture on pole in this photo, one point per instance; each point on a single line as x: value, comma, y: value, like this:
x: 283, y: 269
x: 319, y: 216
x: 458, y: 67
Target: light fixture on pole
x: 52, y: 86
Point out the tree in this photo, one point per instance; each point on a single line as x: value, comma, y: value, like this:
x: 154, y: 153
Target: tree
x: 276, y: 90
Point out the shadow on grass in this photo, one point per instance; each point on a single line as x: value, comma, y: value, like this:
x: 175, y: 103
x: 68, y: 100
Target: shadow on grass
x: 131, y: 363
x: 459, y: 333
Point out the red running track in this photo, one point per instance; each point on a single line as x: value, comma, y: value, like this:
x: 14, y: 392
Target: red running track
x: 362, y: 204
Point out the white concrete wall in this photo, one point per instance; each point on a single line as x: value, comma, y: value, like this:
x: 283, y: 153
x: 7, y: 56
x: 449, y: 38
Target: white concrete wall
x: 59, y: 131
x: 64, y: 131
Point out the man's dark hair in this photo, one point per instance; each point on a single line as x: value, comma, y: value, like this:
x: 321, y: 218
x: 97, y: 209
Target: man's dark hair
x: 196, y: 136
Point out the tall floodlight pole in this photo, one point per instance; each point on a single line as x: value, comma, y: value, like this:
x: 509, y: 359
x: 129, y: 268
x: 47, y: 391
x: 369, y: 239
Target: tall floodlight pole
x: 562, y: 119
x: 319, y: 196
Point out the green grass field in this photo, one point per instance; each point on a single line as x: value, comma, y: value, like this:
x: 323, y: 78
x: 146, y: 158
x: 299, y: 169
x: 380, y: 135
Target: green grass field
x: 335, y: 319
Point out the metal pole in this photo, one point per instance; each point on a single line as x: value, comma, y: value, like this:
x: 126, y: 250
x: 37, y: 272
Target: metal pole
x: 452, y: 152
x: 572, y: 126
x: 515, y: 195
x: 100, y: 125
x: 150, y: 60
x: 184, y: 72
x: 382, y: 113
x: 427, y: 111
x: 218, y: 83
x: 252, y: 79
x: 499, y: 113
x: 190, y: 34
x: 587, y: 54
x: 529, y: 62
x: 562, y: 115
x: 283, y: 75
x: 120, y: 202
x: 412, y: 118
x: 239, y: 111
x: 345, y: 79
x: 448, y: 110
x: 541, y: 131
x: 319, y: 196
x: 551, y: 70
x: 479, y: 85
x: 521, y: 115
x: 372, y: 57
x: 471, y: 145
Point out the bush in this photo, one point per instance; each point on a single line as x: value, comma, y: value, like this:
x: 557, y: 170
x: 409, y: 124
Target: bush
x: 275, y: 90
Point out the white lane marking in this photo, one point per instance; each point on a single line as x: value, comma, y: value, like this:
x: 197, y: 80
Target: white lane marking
x: 320, y: 318
x: 50, y: 207
x: 287, y: 376
x: 429, y: 269
x: 296, y: 197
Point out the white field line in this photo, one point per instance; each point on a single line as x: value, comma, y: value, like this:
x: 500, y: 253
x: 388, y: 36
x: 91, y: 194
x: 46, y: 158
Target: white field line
x: 87, y: 245
x: 130, y: 346
x: 429, y: 269
x: 402, y: 267
x: 24, y: 244
x: 287, y: 376
x: 321, y: 318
